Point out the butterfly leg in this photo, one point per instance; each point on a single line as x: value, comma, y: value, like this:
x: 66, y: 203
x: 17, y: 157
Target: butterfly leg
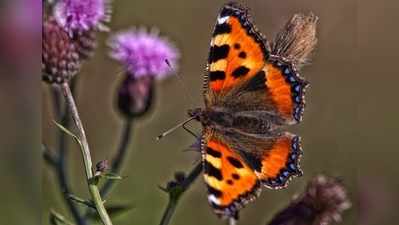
x: 188, y: 130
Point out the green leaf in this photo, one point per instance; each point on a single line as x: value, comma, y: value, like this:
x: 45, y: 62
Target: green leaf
x: 113, y: 211
x: 111, y: 176
x: 58, y: 219
x: 85, y: 202
x: 68, y: 132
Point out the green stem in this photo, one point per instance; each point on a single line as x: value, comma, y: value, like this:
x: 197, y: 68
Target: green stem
x: 170, y: 210
x: 93, y: 189
x: 119, y: 157
x: 61, y: 164
x: 174, y: 197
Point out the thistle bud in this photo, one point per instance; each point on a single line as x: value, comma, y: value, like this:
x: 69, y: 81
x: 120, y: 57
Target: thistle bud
x: 60, y: 59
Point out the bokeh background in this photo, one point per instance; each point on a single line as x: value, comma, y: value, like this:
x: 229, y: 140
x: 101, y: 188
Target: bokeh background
x: 339, y: 129
x: 349, y: 130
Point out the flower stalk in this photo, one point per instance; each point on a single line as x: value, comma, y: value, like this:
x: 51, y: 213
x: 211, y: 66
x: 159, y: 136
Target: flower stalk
x: 93, y: 189
x: 176, y: 189
x: 60, y: 160
x: 120, y: 155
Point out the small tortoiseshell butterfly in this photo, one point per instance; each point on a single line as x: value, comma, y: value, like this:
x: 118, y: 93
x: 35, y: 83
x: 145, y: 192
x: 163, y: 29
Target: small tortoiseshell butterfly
x: 250, y: 93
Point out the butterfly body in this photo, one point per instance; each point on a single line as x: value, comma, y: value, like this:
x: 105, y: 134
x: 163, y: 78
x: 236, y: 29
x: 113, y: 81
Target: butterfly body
x: 225, y: 120
x: 250, y: 95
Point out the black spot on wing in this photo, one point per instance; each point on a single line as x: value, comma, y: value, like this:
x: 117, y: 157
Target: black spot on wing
x: 240, y: 71
x: 223, y: 28
x: 212, y: 171
x: 237, y: 46
x: 242, y: 55
x: 235, y: 162
x: 218, y: 52
x: 217, y: 75
x: 235, y: 176
x: 217, y: 193
x: 213, y: 152
x: 257, y: 82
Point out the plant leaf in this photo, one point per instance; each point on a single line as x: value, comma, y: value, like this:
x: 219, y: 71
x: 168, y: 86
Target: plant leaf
x: 111, y: 176
x: 85, y: 202
x: 57, y: 219
x: 65, y: 130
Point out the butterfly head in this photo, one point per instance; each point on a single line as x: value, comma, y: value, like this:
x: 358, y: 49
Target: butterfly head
x: 200, y: 115
x: 195, y: 113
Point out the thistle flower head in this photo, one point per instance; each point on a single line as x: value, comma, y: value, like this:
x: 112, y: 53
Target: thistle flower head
x: 78, y: 15
x: 327, y: 196
x: 322, y: 203
x: 144, y: 53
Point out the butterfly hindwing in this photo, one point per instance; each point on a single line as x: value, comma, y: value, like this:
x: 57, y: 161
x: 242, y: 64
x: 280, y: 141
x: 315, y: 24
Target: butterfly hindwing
x: 274, y: 157
x: 286, y: 88
x: 237, y: 50
x: 230, y: 181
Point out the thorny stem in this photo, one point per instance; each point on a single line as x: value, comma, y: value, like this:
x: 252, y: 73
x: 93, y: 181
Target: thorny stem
x: 61, y: 160
x: 93, y: 189
x: 175, y: 196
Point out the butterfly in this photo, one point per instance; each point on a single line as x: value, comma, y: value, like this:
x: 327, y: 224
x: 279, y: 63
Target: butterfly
x: 250, y: 93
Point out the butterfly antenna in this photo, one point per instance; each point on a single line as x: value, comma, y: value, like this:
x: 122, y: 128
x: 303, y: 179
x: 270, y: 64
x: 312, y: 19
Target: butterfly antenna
x: 181, y: 81
x: 174, y: 128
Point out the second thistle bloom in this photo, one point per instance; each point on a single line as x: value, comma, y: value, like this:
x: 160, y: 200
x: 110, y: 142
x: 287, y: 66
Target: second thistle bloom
x: 144, y: 53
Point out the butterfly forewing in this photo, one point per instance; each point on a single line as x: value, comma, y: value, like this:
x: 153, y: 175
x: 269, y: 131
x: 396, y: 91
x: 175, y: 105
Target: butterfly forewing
x: 237, y: 51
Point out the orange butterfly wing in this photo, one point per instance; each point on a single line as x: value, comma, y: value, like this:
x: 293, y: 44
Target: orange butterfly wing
x: 231, y: 182
x: 236, y: 164
x: 286, y: 88
x: 279, y: 163
x: 237, y: 51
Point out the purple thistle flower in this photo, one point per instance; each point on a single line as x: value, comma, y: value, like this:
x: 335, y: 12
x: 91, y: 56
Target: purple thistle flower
x: 144, y: 53
x: 78, y: 15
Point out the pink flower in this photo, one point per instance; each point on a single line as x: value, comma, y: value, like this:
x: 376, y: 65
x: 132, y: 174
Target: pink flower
x: 82, y: 15
x: 144, y: 53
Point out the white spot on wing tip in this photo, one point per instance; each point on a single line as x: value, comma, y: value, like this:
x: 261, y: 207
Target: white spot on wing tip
x: 212, y: 198
x: 222, y: 19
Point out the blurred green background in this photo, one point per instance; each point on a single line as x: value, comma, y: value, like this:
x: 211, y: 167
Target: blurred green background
x: 349, y: 128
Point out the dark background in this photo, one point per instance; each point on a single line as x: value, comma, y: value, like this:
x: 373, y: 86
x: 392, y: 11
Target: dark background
x: 349, y: 130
